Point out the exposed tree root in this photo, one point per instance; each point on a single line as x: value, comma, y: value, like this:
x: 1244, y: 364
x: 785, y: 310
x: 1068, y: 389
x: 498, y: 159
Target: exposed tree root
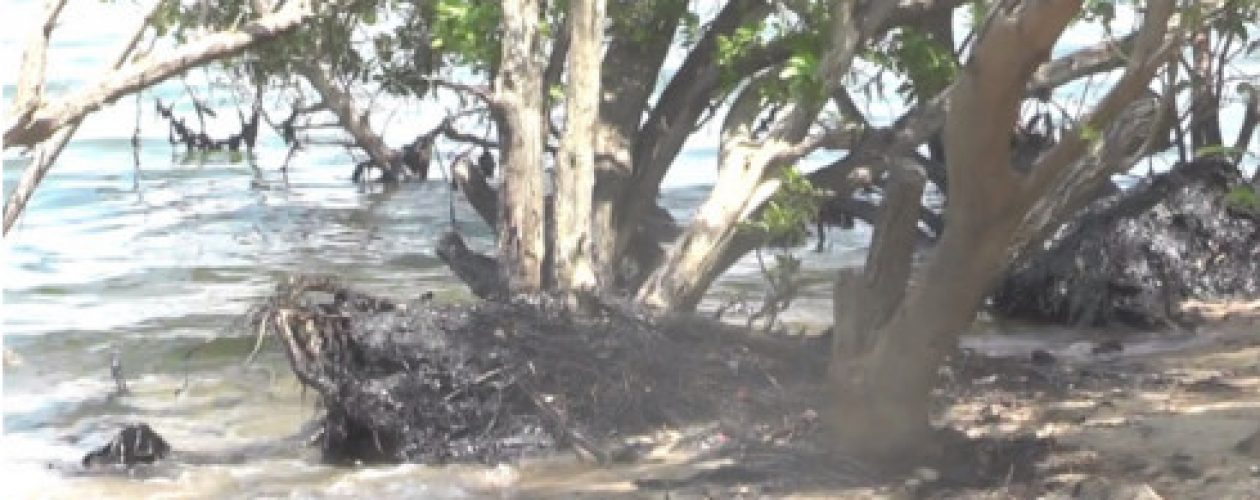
x: 488, y: 382
x: 1136, y: 256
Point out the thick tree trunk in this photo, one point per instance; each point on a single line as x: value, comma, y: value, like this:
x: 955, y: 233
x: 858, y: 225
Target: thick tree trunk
x: 575, y: 167
x: 690, y: 266
x: 629, y: 75
x: 747, y: 175
x: 883, y: 373
x: 520, y: 115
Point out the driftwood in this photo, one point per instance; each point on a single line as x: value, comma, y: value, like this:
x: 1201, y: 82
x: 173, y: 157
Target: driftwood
x: 1133, y: 257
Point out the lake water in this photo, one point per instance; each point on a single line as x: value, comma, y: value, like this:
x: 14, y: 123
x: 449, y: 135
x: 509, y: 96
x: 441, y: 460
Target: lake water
x: 158, y: 263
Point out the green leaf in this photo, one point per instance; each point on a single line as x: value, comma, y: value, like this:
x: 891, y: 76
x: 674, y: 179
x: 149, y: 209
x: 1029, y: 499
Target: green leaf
x: 1090, y: 133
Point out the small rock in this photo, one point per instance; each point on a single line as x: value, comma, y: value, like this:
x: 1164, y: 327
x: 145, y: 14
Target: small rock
x: 1137, y: 492
x: 1250, y: 445
x: 1182, y: 466
x: 1111, y: 346
x: 1042, y: 357
x: 1254, y: 470
x: 1070, y: 411
x: 927, y: 475
x: 1078, y: 349
x: 1098, y: 488
x: 134, y: 444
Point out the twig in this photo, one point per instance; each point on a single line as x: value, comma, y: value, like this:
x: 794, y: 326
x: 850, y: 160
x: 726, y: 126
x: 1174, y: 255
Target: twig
x: 560, y: 428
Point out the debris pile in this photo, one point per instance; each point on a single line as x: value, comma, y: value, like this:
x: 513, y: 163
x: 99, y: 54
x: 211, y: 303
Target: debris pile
x: 1135, y: 257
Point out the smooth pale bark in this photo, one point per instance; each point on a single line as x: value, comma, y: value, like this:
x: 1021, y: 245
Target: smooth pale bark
x: 671, y: 121
x: 50, y: 117
x: 575, y: 166
x: 29, y: 90
x: 881, y: 388
x: 47, y: 152
x: 519, y: 112
x: 926, y: 119
x: 747, y: 175
x: 351, y: 118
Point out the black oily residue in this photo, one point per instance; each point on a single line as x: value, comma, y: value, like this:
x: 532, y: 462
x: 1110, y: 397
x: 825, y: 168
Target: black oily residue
x: 1133, y: 257
x: 492, y: 381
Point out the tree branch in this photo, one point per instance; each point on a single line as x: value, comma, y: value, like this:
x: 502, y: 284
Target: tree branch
x: 478, y: 192
x: 51, y: 117
x: 30, y: 85
x: 351, y: 118
x: 1153, y: 46
x: 1098, y: 58
x: 47, y: 153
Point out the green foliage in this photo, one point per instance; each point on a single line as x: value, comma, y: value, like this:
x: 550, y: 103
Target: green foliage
x: 1243, y: 199
x: 1090, y: 133
x: 643, y: 21
x: 785, y: 220
x: 1218, y: 150
x: 928, y: 65
x: 733, y: 48
x: 467, y: 31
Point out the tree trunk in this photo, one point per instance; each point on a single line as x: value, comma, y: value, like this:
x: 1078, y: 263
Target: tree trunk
x: 519, y: 112
x: 628, y: 75
x: 575, y: 167
x: 692, y: 264
x: 748, y: 168
x: 882, y: 374
x: 1205, y: 122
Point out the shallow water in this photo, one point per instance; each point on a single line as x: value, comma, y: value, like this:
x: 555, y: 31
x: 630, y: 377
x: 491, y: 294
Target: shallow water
x: 157, y: 264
